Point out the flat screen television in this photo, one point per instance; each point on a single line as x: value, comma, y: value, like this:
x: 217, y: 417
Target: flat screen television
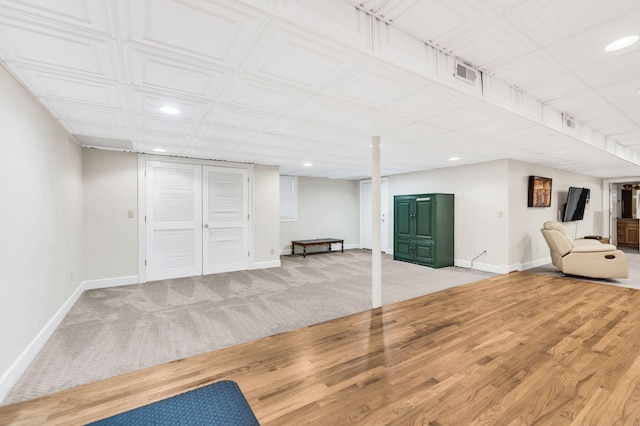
x: 576, y: 202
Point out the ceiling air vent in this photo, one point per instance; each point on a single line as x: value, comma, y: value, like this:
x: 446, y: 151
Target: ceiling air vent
x: 466, y: 73
x: 569, y: 122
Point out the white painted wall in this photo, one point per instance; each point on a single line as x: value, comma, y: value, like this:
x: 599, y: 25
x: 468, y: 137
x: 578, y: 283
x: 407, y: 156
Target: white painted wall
x: 110, y: 191
x: 266, y: 214
x: 481, y: 208
x: 527, y: 247
x: 41, y: 256
x: 327, y: 208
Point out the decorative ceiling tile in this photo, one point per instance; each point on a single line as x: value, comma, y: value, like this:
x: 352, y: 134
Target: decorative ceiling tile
x: 292, y: 58
x: 89, y: 129
x: 377, y: 123
x: 174, y: 74
x: 618, y: 69
x: 577, y: 102
x: 295, y: 128
x: 465, y: 118
x: 529, y: 70
x: 417, y: 131
x: 334, y: 18
x: 588, y: 48
x: 212, y: 147
x: 240, y: 118
x: 73, y: 88
x: 504, y: 125
x: 317, y: 147
x: 30, y: 44
x: 556, y: 87
x: 222, y: 133
x: 262, y: 95
x: 156, y: 125
x: 491, y: 44
x: 436, y: 21
x: 211, y: 31
x: 342, y: 137
x: 328, y: 111
x: 87, y: 114
x: 150, y: 102
x: 429, y: 102
x: 375, y: 84
x: 92, y: 15
x: 621, y: 90
x: 549, y: 21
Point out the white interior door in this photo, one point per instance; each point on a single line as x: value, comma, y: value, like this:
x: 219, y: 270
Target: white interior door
x: 173, y: 220
x: 365, y: 215
x: 226, y: 219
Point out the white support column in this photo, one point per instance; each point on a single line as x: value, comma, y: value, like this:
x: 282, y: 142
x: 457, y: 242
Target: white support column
x: 376, y: 243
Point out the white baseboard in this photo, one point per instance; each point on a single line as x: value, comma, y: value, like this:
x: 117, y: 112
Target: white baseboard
x: 496, y: 269
x: 266, y: 264
x: 503, y: 269
x: 18, y: 367
x: 533, y: 264
x: 109, y: 282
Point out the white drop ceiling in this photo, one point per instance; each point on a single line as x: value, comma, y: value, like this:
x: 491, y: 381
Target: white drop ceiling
x: 286, y: 82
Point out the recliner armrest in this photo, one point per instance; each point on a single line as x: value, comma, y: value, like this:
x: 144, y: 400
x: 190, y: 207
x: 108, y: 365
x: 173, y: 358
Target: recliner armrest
x: 590, y: 248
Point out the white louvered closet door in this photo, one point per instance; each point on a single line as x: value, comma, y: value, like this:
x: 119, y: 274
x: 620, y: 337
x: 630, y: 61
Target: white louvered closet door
x: 174, y: 220
x: 225, y: 219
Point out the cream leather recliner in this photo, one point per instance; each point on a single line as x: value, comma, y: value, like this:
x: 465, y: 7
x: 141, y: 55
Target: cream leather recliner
x: 586, y: 258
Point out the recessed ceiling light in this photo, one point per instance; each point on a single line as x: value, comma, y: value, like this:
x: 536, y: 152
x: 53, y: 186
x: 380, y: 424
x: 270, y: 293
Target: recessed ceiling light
x: 169, y: 109
x: 159, y: 150
x: 621, y: 43
x: 454, y: 158
x: 307, y: 164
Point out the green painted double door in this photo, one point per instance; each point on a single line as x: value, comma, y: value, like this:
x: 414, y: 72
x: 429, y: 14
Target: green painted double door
x: 423, y: 229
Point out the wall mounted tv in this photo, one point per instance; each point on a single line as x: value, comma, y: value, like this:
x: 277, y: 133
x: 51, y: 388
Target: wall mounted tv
x: 576, y: 202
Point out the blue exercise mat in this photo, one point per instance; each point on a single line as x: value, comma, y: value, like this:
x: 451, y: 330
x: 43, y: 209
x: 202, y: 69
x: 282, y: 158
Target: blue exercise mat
x: 220, y: 403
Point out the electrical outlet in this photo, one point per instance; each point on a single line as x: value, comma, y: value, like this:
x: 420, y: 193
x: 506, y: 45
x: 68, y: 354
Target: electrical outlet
x: 131, y: 214
x: 273, y: 251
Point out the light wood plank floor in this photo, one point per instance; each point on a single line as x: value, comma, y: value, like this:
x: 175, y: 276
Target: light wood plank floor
x: 516, y: 349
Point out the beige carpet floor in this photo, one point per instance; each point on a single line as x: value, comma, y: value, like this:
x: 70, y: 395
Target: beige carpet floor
x: 113, y: 331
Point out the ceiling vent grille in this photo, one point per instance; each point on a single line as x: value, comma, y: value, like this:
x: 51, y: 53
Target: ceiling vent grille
x: 569, y: 122
x: 466, y: 73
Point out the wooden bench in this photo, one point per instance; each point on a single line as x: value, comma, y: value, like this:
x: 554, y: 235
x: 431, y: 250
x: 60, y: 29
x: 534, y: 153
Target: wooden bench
x: 317, y: 242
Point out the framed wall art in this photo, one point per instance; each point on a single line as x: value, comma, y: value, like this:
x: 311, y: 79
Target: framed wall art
x: 539, y: 192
